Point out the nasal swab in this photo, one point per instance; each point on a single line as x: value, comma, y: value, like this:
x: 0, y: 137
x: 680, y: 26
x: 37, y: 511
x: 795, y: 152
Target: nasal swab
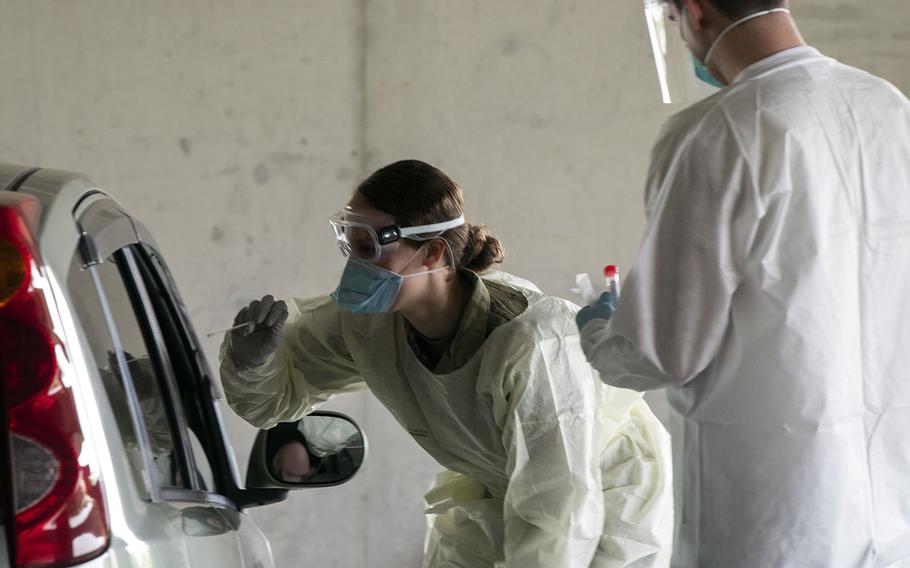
x: 242, y: 325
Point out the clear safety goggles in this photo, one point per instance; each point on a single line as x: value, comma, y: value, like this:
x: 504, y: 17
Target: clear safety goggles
x: 672, y: 59
x: 361, y: 240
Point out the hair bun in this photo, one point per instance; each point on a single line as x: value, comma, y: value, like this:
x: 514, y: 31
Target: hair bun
x: 482, y: 249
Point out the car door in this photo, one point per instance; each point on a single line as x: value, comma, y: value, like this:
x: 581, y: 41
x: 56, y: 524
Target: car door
x: 160, y: 393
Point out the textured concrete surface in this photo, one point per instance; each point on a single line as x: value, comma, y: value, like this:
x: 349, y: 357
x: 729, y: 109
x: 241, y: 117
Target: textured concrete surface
x: 233, y: 129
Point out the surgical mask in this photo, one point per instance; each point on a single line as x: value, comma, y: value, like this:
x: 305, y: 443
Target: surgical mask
x: 702, y: 73
x: 366, y: 288
x: 701, y: 69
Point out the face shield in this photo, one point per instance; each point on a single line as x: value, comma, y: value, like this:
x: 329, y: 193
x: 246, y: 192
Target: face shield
x: 672, y: 59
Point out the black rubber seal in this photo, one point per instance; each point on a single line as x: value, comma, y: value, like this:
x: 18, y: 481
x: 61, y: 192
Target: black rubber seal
x: 20, y: 179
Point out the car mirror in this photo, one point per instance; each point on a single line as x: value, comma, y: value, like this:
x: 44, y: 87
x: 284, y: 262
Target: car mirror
x: 319, y: 450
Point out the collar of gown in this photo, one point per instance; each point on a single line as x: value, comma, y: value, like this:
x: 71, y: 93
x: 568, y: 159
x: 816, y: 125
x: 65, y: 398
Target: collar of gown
x: 777, y: 62
x: 490, y: 305
x: 472, y: 328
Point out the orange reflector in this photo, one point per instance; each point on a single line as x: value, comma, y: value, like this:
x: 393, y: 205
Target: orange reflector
x: 13, y: 271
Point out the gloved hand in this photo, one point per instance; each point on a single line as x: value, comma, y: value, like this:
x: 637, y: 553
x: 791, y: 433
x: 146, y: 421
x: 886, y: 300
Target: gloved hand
x: 251, y: 345
x: 603, y: 308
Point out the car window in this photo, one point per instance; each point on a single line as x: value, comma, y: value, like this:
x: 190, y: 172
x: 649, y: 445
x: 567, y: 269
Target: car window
x: 154, y: 418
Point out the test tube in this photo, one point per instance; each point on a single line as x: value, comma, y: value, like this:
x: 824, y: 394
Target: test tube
x: 611, y: 274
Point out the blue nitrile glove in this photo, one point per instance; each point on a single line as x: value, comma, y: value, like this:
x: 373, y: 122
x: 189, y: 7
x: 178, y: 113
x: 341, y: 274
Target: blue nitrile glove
x: 603, y: 309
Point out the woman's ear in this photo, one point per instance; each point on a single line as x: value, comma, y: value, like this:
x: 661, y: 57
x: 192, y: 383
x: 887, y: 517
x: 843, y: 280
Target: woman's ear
x: 437, y: 254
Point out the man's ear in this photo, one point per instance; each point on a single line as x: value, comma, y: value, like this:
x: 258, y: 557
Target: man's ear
x: 695, y: 11
x: 702, y: 14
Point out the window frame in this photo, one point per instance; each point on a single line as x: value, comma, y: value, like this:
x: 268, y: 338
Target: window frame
x: 105, y: 229
x: 204, y: 387
x: 170, y: 312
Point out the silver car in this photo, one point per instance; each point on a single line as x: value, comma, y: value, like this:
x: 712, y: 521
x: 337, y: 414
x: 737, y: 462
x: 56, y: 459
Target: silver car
x: 114, y: 452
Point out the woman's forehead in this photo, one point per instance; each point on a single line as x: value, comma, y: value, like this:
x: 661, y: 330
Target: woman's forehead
x: 359, y: 210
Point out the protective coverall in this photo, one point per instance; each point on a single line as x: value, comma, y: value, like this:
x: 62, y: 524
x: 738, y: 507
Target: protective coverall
x: 772, y: 292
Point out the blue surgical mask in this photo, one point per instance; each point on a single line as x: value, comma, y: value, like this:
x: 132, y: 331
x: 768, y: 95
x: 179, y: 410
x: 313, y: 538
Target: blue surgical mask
x: 366, y: 288
x: 702, y: 73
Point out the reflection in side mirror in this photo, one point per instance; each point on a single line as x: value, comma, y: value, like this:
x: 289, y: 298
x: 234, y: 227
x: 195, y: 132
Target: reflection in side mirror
x: 322, y: 449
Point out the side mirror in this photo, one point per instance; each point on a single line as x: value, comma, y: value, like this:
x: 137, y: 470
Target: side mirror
x: 319, y: 450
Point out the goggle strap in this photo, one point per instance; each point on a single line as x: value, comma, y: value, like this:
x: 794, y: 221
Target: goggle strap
x: 434, y: 228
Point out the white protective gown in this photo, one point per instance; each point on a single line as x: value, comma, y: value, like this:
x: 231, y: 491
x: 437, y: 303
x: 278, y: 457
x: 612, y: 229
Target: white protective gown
x: 547, y: 467
x: 772, y: 293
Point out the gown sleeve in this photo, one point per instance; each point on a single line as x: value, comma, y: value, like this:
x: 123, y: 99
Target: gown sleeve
x: 674, y: 312
x: 312, y: 364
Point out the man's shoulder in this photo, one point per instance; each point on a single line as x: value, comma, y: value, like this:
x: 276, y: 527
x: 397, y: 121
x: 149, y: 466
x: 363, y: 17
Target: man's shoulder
x: 703, y: 123
x: 788, y: 99
x: 696, y: 115
x: 804, y: 89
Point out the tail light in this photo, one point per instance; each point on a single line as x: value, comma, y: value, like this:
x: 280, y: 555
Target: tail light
x: 59, y: 508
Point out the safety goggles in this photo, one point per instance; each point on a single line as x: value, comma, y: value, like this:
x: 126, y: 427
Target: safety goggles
x: 672, y: 59
x: 366, y: 242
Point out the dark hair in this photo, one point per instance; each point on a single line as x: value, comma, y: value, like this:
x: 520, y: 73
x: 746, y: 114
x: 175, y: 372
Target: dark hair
x: 415, y: 193
x: 735, y: 9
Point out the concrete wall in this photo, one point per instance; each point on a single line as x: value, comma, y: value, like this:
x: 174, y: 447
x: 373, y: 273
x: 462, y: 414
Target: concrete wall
x: 234, y: 129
